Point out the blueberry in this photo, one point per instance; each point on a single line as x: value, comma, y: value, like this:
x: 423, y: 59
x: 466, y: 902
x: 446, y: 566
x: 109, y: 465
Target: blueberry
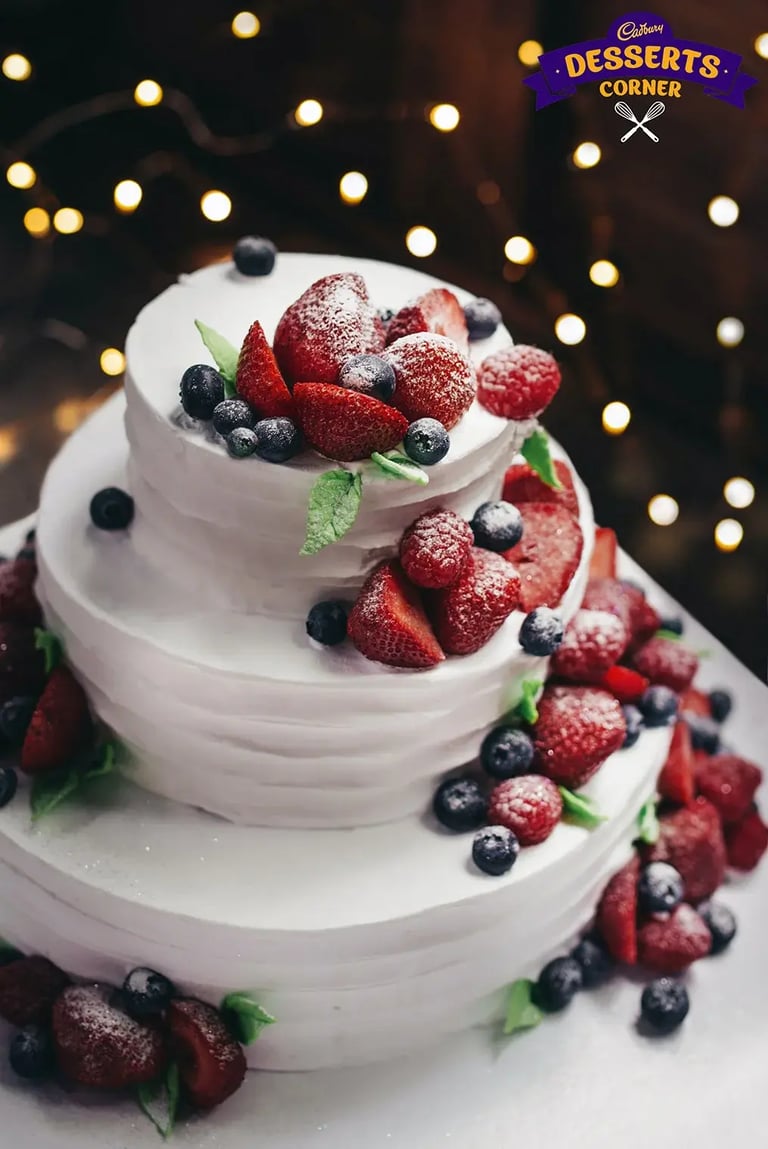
x: 720, y: 703
x: 506, y: 752
x: 369, y: 375
x: 558, y: 984
x: 664, y: 1004
x: 659, y: 706
x: 634, y: 723
x: 327, y: 622
x: 146, y: 993
x: 596, y: 963
x: 674, y: 625
x: 232, y: 413
x: 721, y: 924
x: 15, y: 716
x: 660, y: 888
x: 483, y: 317
x: 541, y: 632
x: 112, y: 509
x: 277, y: 439
x: 495, y: 850
x: 202, y: 389
x: 8, y: 784
x: 254, y: 255
x: 459, y: 804
x: 31, y: 1053
x: 386, y: 314
x: 427, y: 442
x: 27, y: 555
x: 242, y: 442
x: 497, y: 526
x: 705, y: 733
x: 31, y: 537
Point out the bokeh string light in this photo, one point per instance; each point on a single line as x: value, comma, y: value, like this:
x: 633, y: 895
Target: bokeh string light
x: 518, y: 249
x: 308, y: 113
x: 616, y: 417
x: 68, y: 220
x: 723, y: 211
x: 21, y: 175
x: 663, y: 510
x: 215, y: 205
x: 528, y: 53
x: 16, y: 67
x: 730, y: 331
x: 421, y: 241
x: 586, y: 154
x: 148, y: 94
x: 127, y: 195
x: 603, y: 273
x: 728, y: 534
x: 112, y: 361
x: 739, y: 492
x: 353, y: 187
x: 444, y: 117
x: 245, y: 25
x: 570, y: 329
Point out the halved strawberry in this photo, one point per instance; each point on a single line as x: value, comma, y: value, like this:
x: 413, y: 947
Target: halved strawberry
x: 603, y: 561
x: 577, y: 729
x: 729, y: 783
x: 547, y: 555
x: 625, y: 684
x: 746, y: 841
x: 671, y: 944
x: 259, y: 381
x: 691, y: 840
x: 388, y: 624
x: 60, y: 724
x: 434, y: 379
x: 17, y: 593
x: 666, y: 663
x: 695, y: 702
x: 523, y: 485
x: 468, y: 613
x: 100, y: 1046
x: 345, y: 425
x: 676, y: 781
x: 28, y: 988
x: 211, y: 1063
x: 438, y: 311
x: 617, y: 913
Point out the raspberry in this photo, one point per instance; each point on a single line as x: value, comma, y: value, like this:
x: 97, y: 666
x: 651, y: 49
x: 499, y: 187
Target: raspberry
x: 577, y: 729
x: 746, y: 841
x: 666, y: 663
x: 729, y: 783
x: 435, y: 548
x: 434, y: 379
x: 529, y: 806
x: 518, y: 382
x: 691, y: 840
x: 671, y: 944
x: 594, y: 641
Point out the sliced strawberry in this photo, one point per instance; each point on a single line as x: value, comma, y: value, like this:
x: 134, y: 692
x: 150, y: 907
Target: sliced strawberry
x: 523, y: 485
x: 593, y: 641
x: 666, y: 663
x: 468, y: 613
x: 547, y: 555
x: 616, y: 920
x: 577, y: 729
x: 676, y: 781
x: 438, y: 311
x: 625, y: 684
x: 695, y: 702
x: 22, y: 665
x: 259, y: 381
x: 211, y: 1063
x: 729, y: 783
x: 746, y: 841
x: 100, y: 1046
x: 345, y: 425
x: 60, y: 724
x: 434, y: 379
x: 691, y: 840
x: 28, y: 988
x: 518, y: 382
x: 17, y: 593
x: 671, y: 944
x: 388, y: 624
x: 603, y: 561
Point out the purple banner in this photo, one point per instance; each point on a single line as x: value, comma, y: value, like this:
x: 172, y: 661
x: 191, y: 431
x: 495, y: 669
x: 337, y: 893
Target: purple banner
x: 639, y: 45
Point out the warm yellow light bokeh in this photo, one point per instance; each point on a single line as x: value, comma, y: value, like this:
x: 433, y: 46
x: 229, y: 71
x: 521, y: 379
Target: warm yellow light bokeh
x: 37, y: 221
x: 663, y: 510
x: 518, y: 249
x: 68, y: 220
x: 21, y: 175
x: 444, y: 117
x: 112, y: 361
x: 215, y: 205
x: 761, y: 45
x: 353, y: 187
x: 587, y: 154
x: 616, y: 417
x: 308, y: 112
x: 148, y: 93
x: 420, y: 241
x: 728, y: 534
x: 570, y: 329
x: 723, y: 211
x: 739, y: 492
x: 246, y: 25
x: 528, y: 53
x: 603, y: 273
x: 127, y: 195
x: 730, y: 331
x: 9, y: 444
x: 16, y: 67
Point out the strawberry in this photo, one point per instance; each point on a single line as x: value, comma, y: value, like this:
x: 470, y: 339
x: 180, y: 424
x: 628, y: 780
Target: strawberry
x: 438, y: 311
x: 467, y: 614
x: 435, y: 548
x: 666, y: 662
x: 603, y: 561
x: 523, y: 485
x: 100, y: 1046
x: 645, y: 619
x: 258, y: 380
x: 594, y: 641
x: 671, y: 944
x: 388, y: 624
x: 518, y: 382
x: 529, y: 806
x: 695, y: 702
x: 60, y: 724
x: 547, y: 554
x: 746, y: 841
x: 28, y: 988
x: 17, y: 593
x: 625, y: 684
x: 616, y: 920
x: 345, y: 425
x: 676, y: 780
x: 729, y: 783
x: 22, y: 665
x: 211, y: 1063
x: 577, y: 729
x: 331, y: 321
x: 691, y: 840
x: 433, y: 378
x: 609, y: 594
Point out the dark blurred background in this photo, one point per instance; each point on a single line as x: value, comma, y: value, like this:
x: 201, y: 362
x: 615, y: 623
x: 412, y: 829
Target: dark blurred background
x: 225, y: 120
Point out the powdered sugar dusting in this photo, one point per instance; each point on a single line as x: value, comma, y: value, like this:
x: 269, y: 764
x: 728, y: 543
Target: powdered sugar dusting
x: 594, y: 641
x: 434, y: 379
x: 100, y: 1045
x: 577, y: 729
x: 209, y: 1025
x: 388, y: 624
x: 467, y: 615
x: 435, y: 547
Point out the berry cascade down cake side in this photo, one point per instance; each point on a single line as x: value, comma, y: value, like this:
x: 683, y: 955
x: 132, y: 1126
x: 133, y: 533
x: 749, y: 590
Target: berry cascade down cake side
x: 323, y: 703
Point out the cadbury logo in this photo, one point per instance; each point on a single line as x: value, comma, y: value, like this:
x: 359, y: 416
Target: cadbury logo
x: 629, y: 30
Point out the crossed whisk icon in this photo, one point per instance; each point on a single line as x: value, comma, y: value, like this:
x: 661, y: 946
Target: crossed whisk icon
x: 623, y: 109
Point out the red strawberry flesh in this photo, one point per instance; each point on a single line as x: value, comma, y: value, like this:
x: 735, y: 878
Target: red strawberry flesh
x: 523, y: 485
x: 211, y: 1062
x: 676, y: 781
x: 547, y: 555
x: 603, y: 561
x: 345, y: 425
x: 577, y: 729
x: 388, y: 623
x: 616, y: 920
x: 434, y: 379
x: 100, y: 1046
x: 259, y: 381
x: 467, y: 614
x: 625, y: 684
x: 438, y: 311
x: 60, y: 724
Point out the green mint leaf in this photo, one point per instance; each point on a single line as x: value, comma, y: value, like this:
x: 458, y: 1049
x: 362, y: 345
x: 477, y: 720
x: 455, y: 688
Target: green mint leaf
x: 522, y: 1011
x: 580, y: 809
x: 395, y: 465
x: 670, y: 634
x: 50, y: 789
x: 107, y: 764
x: 159, y: 1100
x: 51, y: 647
x: 333, y: 505
x: 703, y: 653
x: 224, y: 355
x: 521, y: 706
x: 535, y: 451
x: 648, y: 828
x: 250, y: 1017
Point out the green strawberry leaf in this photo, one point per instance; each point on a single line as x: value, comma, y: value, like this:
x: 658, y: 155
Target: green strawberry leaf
x: 159, y: 1100
x: 51, y: 647
x: 672, y: 635
x: 395, y: 465
x: 250, y: 1017
x: 224, y: 355
x: 580, y: 809
x: 521, y: 706
x: 648, y: 828
x: 522, y: 1011
x: 51, y: 788
x: 535, y: 451
x: 333, y: 505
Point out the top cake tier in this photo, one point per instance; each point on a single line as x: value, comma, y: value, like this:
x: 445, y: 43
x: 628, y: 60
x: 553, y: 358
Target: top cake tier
x: 232, y: 532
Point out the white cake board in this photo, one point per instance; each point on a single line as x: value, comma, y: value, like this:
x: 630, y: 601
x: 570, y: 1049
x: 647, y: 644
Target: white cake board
x: 583, y: 1080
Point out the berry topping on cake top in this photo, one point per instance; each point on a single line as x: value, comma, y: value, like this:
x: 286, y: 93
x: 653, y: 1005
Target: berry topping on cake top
x: 434, y: 379
x: 438, y: 311
x: 388, y: 624
x: 577, y: 729
x: 346, y: 425
x: 518, y: 382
